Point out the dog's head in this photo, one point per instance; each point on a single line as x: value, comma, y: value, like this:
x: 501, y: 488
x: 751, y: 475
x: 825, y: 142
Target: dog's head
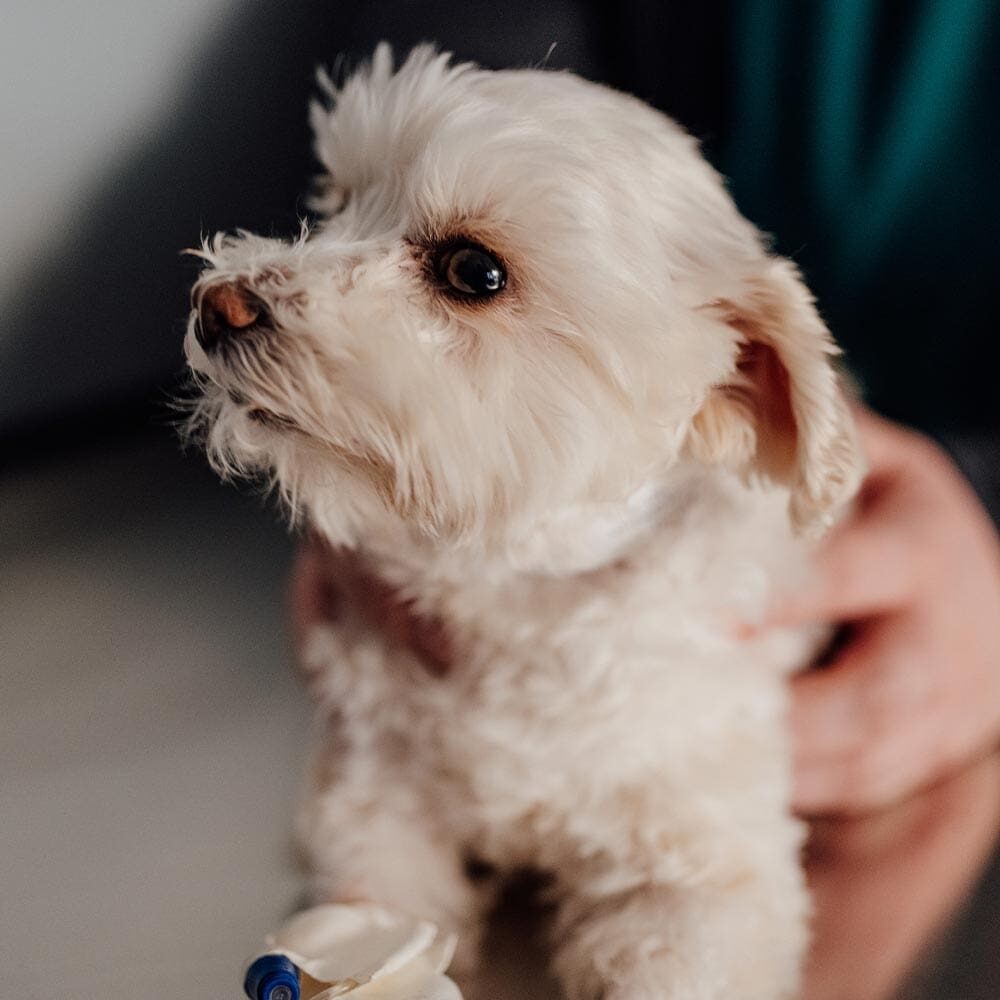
x: 527, y: 292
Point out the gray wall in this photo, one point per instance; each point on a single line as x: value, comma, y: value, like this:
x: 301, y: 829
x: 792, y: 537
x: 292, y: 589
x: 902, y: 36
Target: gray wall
x: 85, y: 86
x: 128, y: 129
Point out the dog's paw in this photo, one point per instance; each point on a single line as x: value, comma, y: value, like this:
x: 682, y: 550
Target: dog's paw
x: 361, y: 949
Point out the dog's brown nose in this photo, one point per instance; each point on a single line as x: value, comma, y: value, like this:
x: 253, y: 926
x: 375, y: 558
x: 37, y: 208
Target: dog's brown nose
x: 223, y: 310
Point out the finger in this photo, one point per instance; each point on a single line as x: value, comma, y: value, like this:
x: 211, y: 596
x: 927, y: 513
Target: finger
x: 892, y: 767
x: 830, y: 709
x: 860, y: 570
x: 871, y: 728
x: 878, y: 437
x: 861, y: 728
x: 886, y: 445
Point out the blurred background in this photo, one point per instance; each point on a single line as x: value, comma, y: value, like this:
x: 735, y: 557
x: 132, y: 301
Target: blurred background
x: 152, y: 732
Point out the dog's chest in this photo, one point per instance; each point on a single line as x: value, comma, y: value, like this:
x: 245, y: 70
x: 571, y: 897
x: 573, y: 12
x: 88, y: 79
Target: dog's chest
x: 553, y: 689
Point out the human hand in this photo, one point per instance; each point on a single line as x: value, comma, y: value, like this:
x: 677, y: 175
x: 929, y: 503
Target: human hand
x: 886, y: 887
x: 914, y: 691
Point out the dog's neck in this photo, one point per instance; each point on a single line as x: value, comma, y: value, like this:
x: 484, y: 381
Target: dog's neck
x: 586, y: 537
x: 698, y: 507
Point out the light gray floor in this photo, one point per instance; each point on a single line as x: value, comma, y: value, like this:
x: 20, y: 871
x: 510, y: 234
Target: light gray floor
x: 151, y: 735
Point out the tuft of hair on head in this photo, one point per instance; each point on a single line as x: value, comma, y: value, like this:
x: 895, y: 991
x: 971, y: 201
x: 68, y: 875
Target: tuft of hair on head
x: 368, y: 99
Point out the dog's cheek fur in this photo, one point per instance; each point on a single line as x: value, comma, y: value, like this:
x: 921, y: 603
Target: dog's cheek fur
x: 462, y: 424
x: 403, y: 408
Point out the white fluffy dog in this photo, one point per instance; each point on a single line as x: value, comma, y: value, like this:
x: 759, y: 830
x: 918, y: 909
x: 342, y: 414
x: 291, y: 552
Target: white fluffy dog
x: 539, y: 374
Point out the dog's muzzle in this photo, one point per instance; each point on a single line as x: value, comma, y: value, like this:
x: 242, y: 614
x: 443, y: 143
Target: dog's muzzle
x: 225, y: 310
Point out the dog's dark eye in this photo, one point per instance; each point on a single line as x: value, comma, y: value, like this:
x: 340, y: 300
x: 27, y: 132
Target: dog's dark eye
x: 471, y: 270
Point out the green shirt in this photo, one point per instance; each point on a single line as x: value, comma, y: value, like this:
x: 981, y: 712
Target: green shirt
x: 863, y: 135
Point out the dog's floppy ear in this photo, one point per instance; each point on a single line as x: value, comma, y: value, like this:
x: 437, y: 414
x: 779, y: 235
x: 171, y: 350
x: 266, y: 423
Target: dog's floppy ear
x: 782, y: 412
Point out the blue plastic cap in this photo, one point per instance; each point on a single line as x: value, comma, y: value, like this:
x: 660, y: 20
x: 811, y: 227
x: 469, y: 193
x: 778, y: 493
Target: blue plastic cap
x: 272, y: 977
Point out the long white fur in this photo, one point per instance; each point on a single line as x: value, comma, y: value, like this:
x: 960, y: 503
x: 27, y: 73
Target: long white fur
x: 570, y: 477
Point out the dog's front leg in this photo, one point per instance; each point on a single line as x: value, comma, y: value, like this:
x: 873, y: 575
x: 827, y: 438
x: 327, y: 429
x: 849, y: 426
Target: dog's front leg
x: 655, y: 943
x: 736, y: 933
x: 369, y: 837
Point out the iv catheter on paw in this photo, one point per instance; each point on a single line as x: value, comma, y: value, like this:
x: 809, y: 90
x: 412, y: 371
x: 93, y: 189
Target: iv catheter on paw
x: 361, y: 949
